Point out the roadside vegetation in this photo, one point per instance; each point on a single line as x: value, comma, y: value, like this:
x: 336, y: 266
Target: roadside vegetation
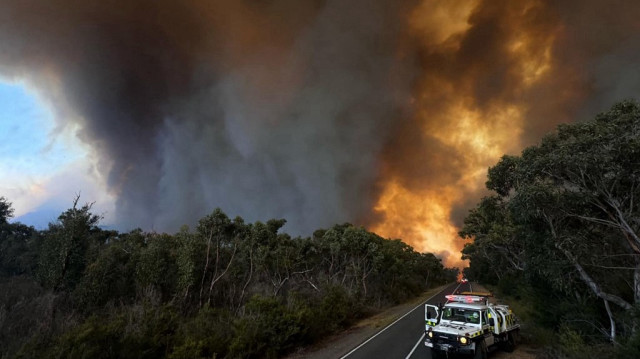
x: 559, y: 237
x: 226, y: 289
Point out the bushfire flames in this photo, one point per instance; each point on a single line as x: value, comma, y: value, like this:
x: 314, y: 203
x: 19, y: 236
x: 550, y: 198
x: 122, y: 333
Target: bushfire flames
x: 447, y: 112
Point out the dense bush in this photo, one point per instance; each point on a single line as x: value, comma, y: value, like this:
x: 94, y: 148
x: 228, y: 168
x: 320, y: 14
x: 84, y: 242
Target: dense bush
x: 227, y: 289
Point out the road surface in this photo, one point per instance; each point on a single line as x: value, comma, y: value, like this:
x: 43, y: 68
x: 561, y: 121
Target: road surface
x: 403, y: 338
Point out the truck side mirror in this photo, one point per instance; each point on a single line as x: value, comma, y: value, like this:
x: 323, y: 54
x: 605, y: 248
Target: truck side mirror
x: 492, y: 322
x: 429, y: 316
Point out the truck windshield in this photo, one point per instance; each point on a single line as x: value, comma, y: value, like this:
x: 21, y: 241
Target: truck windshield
x: 461, y: 315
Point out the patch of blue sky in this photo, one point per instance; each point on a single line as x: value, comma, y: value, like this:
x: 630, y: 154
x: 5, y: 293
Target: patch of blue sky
x: 29, y: 144
x: 43, y: 167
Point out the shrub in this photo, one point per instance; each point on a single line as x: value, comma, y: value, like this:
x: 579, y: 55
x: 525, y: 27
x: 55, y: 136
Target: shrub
x: 268, y: 330
x: 207, y: 335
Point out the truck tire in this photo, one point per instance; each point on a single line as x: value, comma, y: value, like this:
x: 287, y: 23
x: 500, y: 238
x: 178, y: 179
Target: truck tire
x: 481, y: 350
x: 512, y: 340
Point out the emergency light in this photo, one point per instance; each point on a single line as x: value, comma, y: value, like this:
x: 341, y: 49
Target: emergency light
x: 465, y: 298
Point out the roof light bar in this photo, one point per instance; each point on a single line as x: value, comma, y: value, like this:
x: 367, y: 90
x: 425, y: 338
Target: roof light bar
x: 465, y: 298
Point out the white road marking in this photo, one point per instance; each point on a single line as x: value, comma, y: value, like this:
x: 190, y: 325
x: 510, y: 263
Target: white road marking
x: 415, y: 347
x: 397, y: 320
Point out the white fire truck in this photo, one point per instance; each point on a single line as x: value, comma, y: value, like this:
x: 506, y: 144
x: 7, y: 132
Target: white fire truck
x: 469, y: 324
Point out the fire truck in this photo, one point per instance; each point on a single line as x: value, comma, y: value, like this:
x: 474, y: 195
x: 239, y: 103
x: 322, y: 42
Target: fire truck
x: 469, y: 324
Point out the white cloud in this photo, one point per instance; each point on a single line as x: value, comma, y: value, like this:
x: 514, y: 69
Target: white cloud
x: 43, y: 167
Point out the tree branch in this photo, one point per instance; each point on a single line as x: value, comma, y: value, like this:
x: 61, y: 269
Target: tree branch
x: 592, y: 284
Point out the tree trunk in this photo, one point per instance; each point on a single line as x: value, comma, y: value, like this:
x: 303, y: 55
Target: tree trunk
x: 206, y: 267
x: 216, y: 277
x: 636, y: 281
x: 612, y: 336
x: 246, y: 284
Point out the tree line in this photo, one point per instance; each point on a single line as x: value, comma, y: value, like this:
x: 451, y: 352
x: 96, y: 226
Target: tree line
x: 226, y: 289
x: 562, y: 229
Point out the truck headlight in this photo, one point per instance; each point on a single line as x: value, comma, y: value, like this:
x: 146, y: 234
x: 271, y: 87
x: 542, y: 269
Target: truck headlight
x: 430, y: 334
x: 464, y: 340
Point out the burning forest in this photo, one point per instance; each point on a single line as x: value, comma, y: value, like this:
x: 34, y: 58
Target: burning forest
x: 384, y: 114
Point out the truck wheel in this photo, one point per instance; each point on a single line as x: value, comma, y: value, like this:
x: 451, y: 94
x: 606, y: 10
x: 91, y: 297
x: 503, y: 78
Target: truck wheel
x: 512, y: 341
x: 481, y: 350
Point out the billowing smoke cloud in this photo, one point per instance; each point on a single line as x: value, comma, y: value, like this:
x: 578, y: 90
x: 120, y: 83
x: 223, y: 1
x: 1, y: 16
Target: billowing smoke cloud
x: 382, y: 113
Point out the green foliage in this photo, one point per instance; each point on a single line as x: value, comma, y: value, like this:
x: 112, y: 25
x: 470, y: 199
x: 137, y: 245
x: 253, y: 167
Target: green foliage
x: 206, y: 335
x: 63, y: 252
x: 95, y: 338
x: 24, y: 309
x: 156, y: 269
x: 188, y: 261
x: 6, y: 211
x: 268, y: 329
x: 227, y: 289
x: 130, y: 332
x: 631, y: 348
x: 18, y: 252
x: 109, y: 278
x: 335, y: 310
x: 496, y: 244
x: 572, y: 345
x: 17, y: 244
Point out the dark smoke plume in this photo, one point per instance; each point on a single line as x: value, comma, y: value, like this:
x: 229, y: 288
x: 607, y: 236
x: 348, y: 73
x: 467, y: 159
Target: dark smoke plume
x: 264, y: 108
x: 305, y: 110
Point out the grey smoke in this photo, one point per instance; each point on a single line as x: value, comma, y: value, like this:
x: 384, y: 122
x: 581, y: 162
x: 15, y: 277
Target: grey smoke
x: 273, y: 109
x: 292, y: 109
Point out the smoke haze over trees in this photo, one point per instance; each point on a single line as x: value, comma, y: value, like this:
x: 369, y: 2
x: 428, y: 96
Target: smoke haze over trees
x: 384, y: 114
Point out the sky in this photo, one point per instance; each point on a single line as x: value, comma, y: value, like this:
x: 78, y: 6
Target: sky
x: 383, y: 114
x: 42, y: 167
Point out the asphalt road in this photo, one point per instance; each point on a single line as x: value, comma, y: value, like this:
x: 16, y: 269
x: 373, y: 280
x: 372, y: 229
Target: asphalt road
x: 403, y: 338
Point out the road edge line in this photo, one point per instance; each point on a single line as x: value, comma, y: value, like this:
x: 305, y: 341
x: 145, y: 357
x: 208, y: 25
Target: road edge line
x: 414, y: 347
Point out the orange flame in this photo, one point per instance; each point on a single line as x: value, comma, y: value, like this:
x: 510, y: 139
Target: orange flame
x: 448, y: 113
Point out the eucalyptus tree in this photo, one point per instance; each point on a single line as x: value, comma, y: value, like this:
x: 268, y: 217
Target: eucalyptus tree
x: 497, y: 248
x: 17, y: 243
x: 6, y: 211
x: 568, y: 210
x: 65, y: 245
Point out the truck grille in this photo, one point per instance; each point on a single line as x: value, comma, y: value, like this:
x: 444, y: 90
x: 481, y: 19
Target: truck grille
x: 445, y: 338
